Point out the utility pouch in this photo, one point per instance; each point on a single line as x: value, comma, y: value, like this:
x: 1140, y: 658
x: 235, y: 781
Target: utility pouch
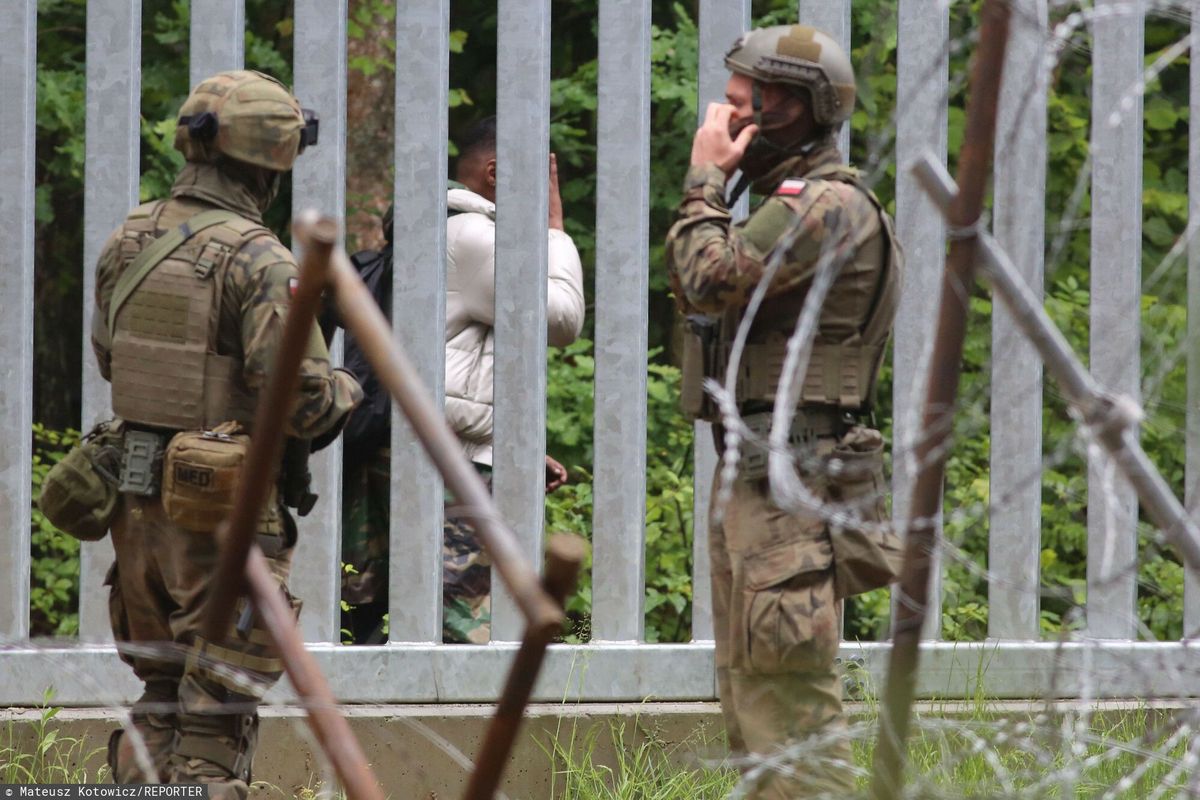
x: 699, y: 351
x: 867, y: 552
x: 141, y: 463
x: 201, y: 471
x: 79, y: 493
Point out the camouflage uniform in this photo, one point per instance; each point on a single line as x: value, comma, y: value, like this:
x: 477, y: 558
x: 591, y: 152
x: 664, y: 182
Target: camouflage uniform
x: 198, y: 713
x: 466, y: 577
x: 466, y: 568
x: 775, y: 600
x: 366, y: 492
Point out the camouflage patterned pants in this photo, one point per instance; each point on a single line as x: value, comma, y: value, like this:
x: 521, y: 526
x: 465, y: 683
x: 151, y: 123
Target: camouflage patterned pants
x: 366, y: 488
x: 198, y: 716
x: 776, y: 625
x: 466, y: 577
x: 466, y: 585
x: 466, y: 570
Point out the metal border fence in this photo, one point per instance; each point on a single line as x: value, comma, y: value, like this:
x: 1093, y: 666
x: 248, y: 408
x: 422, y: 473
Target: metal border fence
x: 616, y: 664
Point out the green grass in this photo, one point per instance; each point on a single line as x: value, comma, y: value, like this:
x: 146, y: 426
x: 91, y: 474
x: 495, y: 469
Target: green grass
x: 972, y: 750
x: 982, y: 752
x: 53, y: 758
x: 644, y: 766
x: 957, y: 750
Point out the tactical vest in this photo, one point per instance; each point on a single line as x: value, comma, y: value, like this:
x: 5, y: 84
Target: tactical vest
x: 840, y: 374
x: 163, y: 319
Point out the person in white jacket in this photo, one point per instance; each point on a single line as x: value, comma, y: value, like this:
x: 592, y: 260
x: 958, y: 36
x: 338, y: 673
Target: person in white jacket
x: 470, y: 353
x: 470, y: 317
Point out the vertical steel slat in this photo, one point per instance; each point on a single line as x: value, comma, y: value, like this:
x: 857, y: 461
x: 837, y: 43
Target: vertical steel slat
x: 833, y: 17
x: 622, y: 320
x: 1014, y: 539
x: 217, y: 38
x: 522, y: 158
x: 18, y: 82
x: 1191, y: 582
x: 1115, y: 303
x: 111, y: 173
x: 319, y: 181
x: 924, y: 32
x: 419, y: 289
x: 704, y: 467
x: 721, y: 21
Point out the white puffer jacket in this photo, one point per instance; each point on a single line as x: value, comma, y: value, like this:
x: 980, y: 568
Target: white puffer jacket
x: 471, y: 313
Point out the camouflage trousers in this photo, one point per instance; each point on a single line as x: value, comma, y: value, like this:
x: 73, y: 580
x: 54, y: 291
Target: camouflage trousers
x: 366, y: 488
x: 466, y: 584
x: 466, y: 570
x: 466, y: 577
x: 198, y: 715
x: 777, y: 629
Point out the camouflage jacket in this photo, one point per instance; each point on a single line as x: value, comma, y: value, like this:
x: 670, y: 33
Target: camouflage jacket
x: 714, y: 264
x: 254, y: 300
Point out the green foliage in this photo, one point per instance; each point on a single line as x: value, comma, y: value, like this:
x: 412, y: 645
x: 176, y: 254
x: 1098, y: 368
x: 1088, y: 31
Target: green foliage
x: 668, y: 552
x: 54, y: 566
x: 38, y: 753
x: 643, y: 765
x: 60, y: 159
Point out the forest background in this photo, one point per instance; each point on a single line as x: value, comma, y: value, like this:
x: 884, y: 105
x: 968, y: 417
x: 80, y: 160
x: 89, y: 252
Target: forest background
x: 59, y: 300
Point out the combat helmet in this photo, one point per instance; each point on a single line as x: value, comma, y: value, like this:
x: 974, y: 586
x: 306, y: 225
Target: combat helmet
x: 247, y: 116
x: 800, y: 56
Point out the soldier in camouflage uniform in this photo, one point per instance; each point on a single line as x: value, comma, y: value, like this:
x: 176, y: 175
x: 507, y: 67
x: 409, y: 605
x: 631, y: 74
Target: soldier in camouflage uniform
x: 775, y: 598
x: 188, y: 346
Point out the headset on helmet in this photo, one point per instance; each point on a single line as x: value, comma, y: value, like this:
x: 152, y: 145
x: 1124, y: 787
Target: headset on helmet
x: 247, y: 116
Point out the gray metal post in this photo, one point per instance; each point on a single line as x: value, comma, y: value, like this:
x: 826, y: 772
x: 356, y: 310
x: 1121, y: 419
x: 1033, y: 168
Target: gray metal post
x: 319, y: 181
x: 1116, y: 303
x: 622, y: 317
x: 833, y: 17
x: 1112, y: 417
x: 721, y: 21
x: 522, y: 166
x: 111, y: 173
x: 924, y: 34
x: 1014, y: 540
x: 218, y: 38
x: 1191, y: 583
x: 704, y: 467
x: 18, y: 80
x: 419, y: 289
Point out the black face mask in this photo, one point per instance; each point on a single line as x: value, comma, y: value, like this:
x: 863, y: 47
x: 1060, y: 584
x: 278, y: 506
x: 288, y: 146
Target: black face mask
x: 765, y: 149
x: 763, y: 152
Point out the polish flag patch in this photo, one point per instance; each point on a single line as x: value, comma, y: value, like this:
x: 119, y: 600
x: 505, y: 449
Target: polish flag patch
x: 791, y: 187
x: 293, y: 285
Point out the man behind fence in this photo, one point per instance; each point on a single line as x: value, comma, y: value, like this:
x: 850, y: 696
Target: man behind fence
x: 777, y: 576
x: 191, y: 297
x: 470, y: 356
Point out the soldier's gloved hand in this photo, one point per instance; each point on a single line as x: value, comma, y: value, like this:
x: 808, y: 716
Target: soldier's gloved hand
x: 713, y: 144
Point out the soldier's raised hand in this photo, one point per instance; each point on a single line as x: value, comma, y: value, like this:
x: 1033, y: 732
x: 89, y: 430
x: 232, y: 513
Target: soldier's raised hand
x: 713, y: 143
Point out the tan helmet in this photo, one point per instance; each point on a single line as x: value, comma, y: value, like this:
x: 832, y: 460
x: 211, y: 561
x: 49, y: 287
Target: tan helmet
x: 800, y: 56
x: 244, y: 115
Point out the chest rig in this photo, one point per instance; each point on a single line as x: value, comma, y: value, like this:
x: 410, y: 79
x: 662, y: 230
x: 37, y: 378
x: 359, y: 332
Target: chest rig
x: 841, y: 374
x: 163, y: 318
